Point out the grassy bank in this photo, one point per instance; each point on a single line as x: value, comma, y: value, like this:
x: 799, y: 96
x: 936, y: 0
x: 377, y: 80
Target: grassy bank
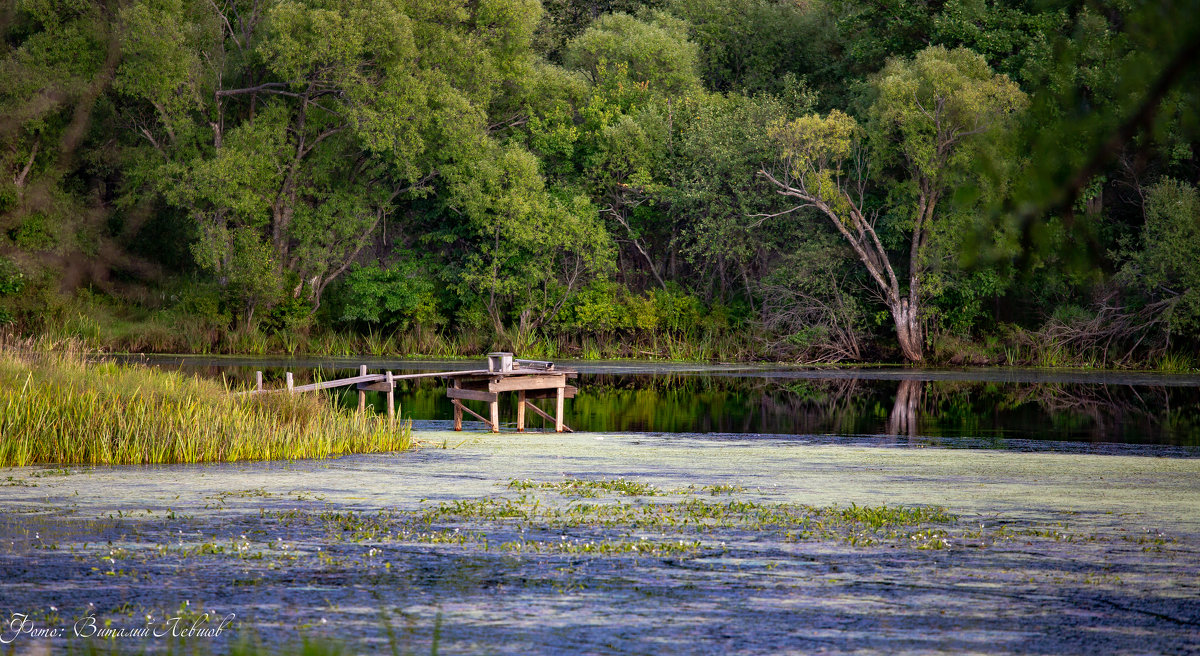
x: 99, y: 327
x: 59, y: 409
x: 1018, y: 349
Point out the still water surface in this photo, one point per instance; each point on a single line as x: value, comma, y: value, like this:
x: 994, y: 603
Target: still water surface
x: 1060, y: 535
x: 981, y: 407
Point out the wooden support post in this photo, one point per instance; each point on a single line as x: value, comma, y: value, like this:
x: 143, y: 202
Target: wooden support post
x: 258, y: 380
x: 459, y: 404
x: 521, y: 411
x: 290, y: 383
x: 362, y: 395
x: 558, y: 410
x: 457, y: 409
x: 494, y: 406
x: 391, y: 399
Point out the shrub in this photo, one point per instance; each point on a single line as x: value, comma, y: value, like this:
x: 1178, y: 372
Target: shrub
x: 605, y: 307
x: 395, y: 298
x: 12, y: 280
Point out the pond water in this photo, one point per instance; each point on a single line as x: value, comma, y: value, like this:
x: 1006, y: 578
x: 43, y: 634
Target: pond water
x: 978, y: 408
x: 699, y: 509
x: 606, y: 543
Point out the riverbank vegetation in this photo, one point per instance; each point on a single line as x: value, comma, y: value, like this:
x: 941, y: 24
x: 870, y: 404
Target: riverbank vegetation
x: 60, y: 409
x: 838, y: 180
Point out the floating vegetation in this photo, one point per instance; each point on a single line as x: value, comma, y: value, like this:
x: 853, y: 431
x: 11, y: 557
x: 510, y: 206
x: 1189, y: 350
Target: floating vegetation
x: 723, y: 489
x: 614, y: 526
x: 667, y: 523
x: 713, y: 545
x: 575, y: 487
x: 59, y: 409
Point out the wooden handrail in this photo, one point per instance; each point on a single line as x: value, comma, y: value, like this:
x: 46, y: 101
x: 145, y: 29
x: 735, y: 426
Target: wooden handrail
x: 369, y: 378
x: 536, y: 376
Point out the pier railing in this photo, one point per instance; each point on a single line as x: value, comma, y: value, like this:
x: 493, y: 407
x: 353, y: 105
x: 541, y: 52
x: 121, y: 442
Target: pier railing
x: 530, y: 379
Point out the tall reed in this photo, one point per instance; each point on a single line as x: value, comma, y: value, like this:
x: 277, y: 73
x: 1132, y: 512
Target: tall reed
x: 59, y: 409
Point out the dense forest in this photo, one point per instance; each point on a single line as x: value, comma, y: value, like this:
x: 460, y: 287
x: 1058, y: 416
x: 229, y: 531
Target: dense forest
x: 803, y: 180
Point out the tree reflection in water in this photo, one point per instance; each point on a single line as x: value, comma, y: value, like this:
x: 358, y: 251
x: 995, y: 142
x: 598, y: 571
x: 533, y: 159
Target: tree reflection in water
x: 904, y: 415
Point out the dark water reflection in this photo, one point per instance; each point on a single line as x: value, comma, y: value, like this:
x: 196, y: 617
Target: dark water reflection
x: 988, y: 404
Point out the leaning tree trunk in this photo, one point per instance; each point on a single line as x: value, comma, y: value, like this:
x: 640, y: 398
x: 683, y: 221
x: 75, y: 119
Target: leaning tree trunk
x: 909, y: 332
x: 859, y: 232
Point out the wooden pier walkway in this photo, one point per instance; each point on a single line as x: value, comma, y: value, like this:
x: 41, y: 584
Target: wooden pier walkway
x: 530, y: 379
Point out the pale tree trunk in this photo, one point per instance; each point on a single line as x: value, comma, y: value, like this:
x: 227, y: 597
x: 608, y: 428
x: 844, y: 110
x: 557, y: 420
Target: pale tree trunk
x: 19, y: 181
x: 909, y: 331
x: 859, y: 233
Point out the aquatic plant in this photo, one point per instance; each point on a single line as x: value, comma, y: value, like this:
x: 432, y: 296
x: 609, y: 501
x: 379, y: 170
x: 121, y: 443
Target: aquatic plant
x: 61, y: 409
x: 575, y: 487
x: 537, y: 527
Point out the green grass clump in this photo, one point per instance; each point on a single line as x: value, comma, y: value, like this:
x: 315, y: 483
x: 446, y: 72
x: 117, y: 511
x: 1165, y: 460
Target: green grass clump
x: 60, y: 409
x: 682, y: 526
x: 575, y: 487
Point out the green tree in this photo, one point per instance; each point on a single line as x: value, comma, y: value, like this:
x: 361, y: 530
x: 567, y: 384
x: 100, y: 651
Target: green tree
x: 566, y: 19
x: 532, y: 248
x: 309, y: 122
x: 714, y: 194
x: 933, y: 114
x: 1165, y: 266
x: 56, y: 63
x: 655, y: 52
x: 752, y: 45
x: 638, y: 67
x: 1111, y: 107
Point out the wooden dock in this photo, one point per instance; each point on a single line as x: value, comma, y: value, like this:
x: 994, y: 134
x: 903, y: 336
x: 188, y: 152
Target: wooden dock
x: 531, y: 380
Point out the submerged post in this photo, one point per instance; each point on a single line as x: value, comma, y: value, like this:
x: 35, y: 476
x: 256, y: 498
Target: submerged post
x: 290, y: 383
x: 521, y: 411
x: 258, y: 381
x: 391, y: 399
x: 560, y: 392
x: 494, y: 406
x: 457, y: 408
x: 362, y: 394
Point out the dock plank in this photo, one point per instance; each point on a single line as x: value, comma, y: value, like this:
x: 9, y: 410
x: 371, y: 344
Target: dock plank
x: 528, y: 382
x: 341, y: 382
x: 472, y: 395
